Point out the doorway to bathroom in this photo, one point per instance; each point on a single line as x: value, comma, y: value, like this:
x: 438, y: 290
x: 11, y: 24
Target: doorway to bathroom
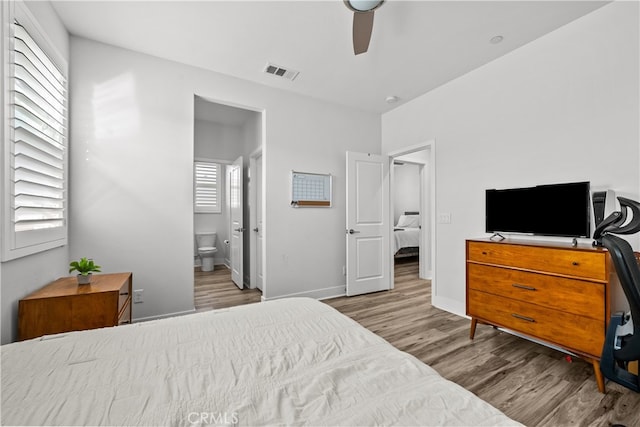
x: 226, y: 140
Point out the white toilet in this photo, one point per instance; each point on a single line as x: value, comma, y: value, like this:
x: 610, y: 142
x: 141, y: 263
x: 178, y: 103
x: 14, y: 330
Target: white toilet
x: 206, y: 249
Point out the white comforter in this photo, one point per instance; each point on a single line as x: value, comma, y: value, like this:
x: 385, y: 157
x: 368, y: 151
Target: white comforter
x: 406, y: 238
x: 295, y: 361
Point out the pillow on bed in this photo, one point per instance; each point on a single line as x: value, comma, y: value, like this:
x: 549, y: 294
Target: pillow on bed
x: 408, y: 221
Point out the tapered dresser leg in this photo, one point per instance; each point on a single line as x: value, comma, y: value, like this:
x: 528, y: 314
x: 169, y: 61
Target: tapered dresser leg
x: 472, y: 331
x: 599, y: 377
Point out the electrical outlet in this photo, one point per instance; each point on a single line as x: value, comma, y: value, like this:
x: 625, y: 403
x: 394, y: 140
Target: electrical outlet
x: 137, y: 296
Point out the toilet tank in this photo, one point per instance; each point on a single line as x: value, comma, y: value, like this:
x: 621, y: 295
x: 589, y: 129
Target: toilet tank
x: 206, y: 239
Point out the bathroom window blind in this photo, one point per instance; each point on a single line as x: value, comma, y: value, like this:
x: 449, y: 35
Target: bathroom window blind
x: 37, y: 151
x: 207, y: 187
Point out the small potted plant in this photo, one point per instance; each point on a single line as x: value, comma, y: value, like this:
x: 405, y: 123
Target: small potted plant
x: 84, y: 267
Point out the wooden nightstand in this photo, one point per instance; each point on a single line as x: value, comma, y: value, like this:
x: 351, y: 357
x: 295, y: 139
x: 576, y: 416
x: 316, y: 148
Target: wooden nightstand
x: 64, y: 306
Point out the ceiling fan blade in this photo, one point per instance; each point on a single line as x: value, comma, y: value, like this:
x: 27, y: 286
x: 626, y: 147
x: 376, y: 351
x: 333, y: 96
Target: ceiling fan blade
x: 362, y: 28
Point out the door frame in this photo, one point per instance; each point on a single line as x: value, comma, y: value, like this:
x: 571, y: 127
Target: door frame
x: 236, y: 235
x: 262, y: 136
x: 427, y: 204
x: 253, y: 217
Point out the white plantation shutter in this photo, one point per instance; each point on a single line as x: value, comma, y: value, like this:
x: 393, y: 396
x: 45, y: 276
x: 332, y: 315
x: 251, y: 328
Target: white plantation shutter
x: 37, y: 157
x: 207, y: 187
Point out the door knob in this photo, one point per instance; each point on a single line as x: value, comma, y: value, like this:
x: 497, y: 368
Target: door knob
x: 352, y: 231
x: 255, y: 229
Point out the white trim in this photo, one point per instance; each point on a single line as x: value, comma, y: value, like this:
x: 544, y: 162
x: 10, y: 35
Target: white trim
x: 429, y: 145
x: 263, y: 142
x: 253, y: 217
x: 203, y: 200
x: 206, y: 159
x: 31, y: 242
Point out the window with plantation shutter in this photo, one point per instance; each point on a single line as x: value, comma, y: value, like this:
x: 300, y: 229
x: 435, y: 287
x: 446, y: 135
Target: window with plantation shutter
x: 35, y: 204
x: 207, y: 187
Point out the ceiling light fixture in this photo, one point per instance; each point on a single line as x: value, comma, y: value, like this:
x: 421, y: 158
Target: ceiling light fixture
x: 363, y: 5
x: 391, y: 99
x: 496, y: 39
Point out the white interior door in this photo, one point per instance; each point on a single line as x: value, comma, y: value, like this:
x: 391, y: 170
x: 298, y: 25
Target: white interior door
x: 259, y: 228
x: 368, y: 227
x: 237, y: 227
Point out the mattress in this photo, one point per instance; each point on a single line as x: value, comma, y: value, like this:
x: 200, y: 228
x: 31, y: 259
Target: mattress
x: 294, y: 361
x: 406, y: 238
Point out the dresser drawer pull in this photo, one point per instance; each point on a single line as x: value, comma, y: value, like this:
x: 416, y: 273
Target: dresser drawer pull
x: 124, y: 293
x: 525, y: 287
x: 575, y: 263
x: 521, y: 317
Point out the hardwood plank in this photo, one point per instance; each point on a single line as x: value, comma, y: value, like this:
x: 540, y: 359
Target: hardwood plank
x: 214, y: 289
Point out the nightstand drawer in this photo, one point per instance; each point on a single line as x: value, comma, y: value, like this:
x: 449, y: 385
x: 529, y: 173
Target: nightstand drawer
x: 575, y: 263
x: 577, y: 333
x: 570, y: 295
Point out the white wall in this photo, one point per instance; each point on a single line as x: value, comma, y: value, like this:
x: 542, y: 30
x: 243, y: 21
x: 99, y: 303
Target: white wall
x: 406, y: 181
x: 562, y: 108
x: 21, y: 276
x: 132, y: 198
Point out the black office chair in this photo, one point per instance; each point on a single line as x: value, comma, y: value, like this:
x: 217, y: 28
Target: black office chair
x: 622, y: 342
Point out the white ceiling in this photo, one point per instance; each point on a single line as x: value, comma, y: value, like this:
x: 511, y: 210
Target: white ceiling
x: 416, y: 45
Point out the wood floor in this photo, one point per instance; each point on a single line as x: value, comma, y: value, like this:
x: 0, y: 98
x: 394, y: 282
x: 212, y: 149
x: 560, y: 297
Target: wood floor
x: 530, y: 383
x: 214, y: 289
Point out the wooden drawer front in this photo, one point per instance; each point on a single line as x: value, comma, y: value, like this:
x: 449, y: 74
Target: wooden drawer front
x: 577, y: 263
x: 570, y: 295
x: 124, y: 295
x: 92, y: 311
x: 567, y: 330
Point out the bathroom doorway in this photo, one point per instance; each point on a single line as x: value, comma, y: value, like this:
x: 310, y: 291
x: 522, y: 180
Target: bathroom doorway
x: 224, y: 133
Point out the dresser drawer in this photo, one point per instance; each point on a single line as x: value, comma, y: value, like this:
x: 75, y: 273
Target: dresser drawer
x: 571, y: 295
x: 576, y: 263
x: 577, y: 333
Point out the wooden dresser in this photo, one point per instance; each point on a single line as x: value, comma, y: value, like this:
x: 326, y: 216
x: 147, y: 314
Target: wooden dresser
x: 64, y: 306
x: 551, y: 292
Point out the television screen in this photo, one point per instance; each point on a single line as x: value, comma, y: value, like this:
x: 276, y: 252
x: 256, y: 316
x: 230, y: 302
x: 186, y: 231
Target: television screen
x: 549, y: 210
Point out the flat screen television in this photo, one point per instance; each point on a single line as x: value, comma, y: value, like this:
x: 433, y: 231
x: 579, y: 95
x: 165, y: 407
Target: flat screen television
x: 548, y: 210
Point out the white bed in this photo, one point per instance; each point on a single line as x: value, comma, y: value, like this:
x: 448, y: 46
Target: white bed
x: 406, y: 238
x: 286, y: 362
x: 406, y: 234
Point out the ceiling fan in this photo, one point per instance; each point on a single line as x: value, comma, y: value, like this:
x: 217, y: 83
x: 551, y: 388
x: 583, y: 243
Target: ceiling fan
x: 362, y: 22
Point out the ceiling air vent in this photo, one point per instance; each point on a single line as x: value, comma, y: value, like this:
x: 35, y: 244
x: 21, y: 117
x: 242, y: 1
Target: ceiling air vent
x: 277, y: 70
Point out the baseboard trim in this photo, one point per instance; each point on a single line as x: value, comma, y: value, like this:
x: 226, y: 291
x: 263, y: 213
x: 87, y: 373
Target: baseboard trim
x: 319, y: 294
x: 448, y: 304
x: 163, y: 316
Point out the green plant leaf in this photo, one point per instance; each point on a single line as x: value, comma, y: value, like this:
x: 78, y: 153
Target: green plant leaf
x: 84, y: 266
